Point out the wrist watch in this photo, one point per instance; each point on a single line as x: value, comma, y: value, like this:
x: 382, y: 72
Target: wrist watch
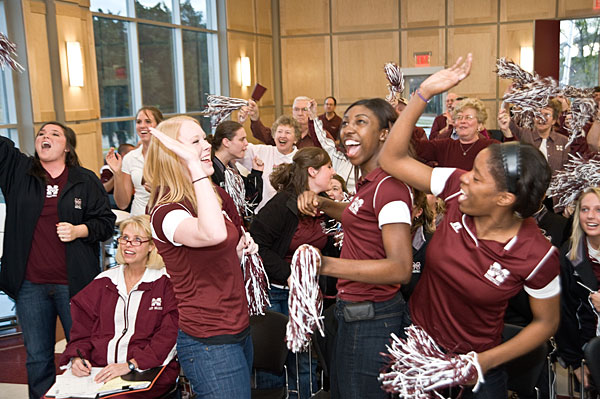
x: 130, y: 365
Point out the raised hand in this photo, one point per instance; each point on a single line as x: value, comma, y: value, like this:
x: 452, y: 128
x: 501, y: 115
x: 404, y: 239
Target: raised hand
x: 258, y: 164
x: 114, y: 160
x: 186, y: 152
x: 253, y: 110
x: 312, y: 109
x: 308, y: 203
x: 445, y: 79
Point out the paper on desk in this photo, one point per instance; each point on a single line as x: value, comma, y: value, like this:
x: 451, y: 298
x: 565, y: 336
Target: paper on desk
x: 67, y: 385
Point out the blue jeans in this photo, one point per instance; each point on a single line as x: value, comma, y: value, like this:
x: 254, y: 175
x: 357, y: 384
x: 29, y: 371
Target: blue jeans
x: 37, y: 308
x: 216, y: 371
x: 265, y: 380
x: 358, y: 347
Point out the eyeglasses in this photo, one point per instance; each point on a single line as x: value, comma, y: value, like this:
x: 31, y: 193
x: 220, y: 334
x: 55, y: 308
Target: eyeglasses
x: 296, y: 109
x: 135, y: 242
x: 465, y: 117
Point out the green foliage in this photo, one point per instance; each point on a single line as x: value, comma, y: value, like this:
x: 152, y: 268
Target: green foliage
x: 584, y: 66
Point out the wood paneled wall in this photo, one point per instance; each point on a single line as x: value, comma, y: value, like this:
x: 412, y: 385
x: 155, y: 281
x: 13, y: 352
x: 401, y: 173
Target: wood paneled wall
x: 339, y: 47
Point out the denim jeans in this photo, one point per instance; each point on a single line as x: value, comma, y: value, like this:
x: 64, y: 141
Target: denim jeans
x: 37, y: 308
x: 265, y: 380
x: 216, y: 371
x: 358, y: 347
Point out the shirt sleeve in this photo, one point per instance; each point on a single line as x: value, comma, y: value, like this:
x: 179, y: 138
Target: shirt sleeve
x: 392, y: 202
x: 440, y: 177
x: 165, y: 220
x: 543, y: 281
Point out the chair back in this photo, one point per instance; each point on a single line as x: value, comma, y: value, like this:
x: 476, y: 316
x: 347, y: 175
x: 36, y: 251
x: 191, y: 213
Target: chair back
x: 592, y: 358
x: 524, y: 371
x: 268, y: 339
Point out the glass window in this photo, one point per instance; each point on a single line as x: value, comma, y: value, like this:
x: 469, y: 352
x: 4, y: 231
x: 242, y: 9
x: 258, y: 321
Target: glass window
x: 156, y: 67
x: 195, y: 13
x: 116, y: 133
x: 196, y: 69
x: 115, y: 7
x: 579, y: 48
x: 11, y: 134
x: 112, y: 59
x: 155, y: 10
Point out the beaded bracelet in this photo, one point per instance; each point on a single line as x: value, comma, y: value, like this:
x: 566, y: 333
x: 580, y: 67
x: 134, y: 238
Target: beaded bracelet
x: 197, y: 180
x: 421, y: 97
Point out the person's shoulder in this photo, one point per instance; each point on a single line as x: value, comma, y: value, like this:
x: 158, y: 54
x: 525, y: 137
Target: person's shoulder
x: 558, y: 138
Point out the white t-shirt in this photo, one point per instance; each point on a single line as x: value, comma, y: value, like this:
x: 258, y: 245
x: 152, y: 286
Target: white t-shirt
x: 271, y: 157
x: 133, y: 165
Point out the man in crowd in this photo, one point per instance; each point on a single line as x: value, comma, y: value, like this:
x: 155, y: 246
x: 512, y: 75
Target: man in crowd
x: 331, y: 121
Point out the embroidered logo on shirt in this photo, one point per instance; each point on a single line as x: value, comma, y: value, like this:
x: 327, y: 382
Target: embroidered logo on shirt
x: 51, y: 191
x: 416, y: 267
x: 559, y: 148
x: 77, y: 203
x: 356, y: 204
x: 496, y: 274
x: 156, y: 304
x: 456, y: 226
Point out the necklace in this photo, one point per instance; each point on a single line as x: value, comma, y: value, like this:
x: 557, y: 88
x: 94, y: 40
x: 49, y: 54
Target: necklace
x: 467, y: 150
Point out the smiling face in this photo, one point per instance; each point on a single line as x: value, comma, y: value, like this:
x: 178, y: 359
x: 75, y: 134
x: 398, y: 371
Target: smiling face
x: 285, y: 138
x: 143, y: 122
x: 335, y: 191
x: 192, y: 134
x: 479, y: 190
x: 135, y: 254
x: 360, y: 133
x: 589, y: 216
x: 467, y: 126
x: 51, y: 144
x: 545, y: 126
x: 237, y: 145
x: 319, y: 179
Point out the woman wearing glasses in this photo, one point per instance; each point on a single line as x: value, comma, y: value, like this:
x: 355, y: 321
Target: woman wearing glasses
x: 126, y: 319
x: 469, y: 116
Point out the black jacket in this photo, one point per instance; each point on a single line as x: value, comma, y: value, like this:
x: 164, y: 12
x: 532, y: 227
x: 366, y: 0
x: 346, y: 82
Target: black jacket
x: 82, y: 201
x: 578, y: 320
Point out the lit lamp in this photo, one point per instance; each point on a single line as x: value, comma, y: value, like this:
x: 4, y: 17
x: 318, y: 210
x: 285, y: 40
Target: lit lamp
x: 75, y: 64
x: 245, y: 75
x: 527, y: 58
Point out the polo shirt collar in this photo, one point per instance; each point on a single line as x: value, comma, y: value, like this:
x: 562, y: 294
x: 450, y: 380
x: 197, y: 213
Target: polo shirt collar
x: 371, y: 176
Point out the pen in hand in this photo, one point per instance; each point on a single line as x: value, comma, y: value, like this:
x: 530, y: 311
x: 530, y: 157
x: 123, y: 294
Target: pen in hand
x: 83, y: 361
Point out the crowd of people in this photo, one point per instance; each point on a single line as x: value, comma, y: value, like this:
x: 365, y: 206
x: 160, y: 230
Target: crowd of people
x: 451, y: 232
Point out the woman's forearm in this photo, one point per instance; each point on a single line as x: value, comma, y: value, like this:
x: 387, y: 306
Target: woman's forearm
x: 123, y: 189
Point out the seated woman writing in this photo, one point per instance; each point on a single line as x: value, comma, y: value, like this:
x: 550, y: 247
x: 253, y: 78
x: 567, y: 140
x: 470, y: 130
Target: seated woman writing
x: 126, y: 319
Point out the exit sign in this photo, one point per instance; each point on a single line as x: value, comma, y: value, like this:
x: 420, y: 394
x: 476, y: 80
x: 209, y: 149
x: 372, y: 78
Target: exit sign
x: 424, y: 59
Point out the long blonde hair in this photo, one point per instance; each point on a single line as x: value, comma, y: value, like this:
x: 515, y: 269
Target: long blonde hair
x: 142, y: 224
x: 168, y: 177
x: 577, y: 232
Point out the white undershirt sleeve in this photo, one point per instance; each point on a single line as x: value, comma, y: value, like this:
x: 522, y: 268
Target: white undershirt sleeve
x: 172, y: 221
x: 551, y: 289
x: 394, y: 212
x: 439, y: 177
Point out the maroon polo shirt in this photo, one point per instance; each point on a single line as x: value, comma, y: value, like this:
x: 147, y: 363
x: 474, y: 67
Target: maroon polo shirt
x: 309, y: 231
x: 380, y: 199
x: 451, y: 153
x: 465, y: 287
x: 47, y: 262
x: 332, y: 125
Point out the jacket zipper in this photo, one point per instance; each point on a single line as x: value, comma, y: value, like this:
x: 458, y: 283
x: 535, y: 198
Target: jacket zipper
x: 126, y: 312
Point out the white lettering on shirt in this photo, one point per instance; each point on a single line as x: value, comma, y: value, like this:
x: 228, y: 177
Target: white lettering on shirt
x: 356, y: 204
x: 496, y: 274
x: 456, y: 226
x: 156, y: 304
x: 52, y: 191
x: 416, y: 267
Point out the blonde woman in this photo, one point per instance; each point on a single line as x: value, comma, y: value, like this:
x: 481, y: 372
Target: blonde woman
x: 197, y: 231
x: 126, y: 319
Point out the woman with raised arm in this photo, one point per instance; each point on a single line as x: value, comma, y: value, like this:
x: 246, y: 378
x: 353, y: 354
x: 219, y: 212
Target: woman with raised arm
x: 129, y: 170
x: 376, y: 255
x: 486, y: 248
x: 196, y: 229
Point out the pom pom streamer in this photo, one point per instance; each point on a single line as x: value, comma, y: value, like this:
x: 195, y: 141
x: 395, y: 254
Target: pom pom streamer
x: 7, y: 50
x: 305, y: 301
x: 582, y: 110
x: 418, y: 367
x: 220, y: 107
x: 577, y: 175
x: 234, y: 185
x: 256, y: 283
x: 396, y: 78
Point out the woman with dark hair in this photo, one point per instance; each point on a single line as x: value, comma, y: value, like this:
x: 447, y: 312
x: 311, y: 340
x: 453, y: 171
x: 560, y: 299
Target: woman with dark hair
x: 57, y: 214
x: 376, y: 256
x: 129, y: 170
x: 229, y: 143
x: 486, y: 248
x: 279, y: 229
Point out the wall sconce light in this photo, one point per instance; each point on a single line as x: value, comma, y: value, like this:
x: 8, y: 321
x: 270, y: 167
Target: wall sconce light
x: 527, y: 58
x: 245, y: 74
x: 75, y: 64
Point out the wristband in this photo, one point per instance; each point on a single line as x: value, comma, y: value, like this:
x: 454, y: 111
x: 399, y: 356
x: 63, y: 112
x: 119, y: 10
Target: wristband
x: 421, y: 96
x: 197, y: 180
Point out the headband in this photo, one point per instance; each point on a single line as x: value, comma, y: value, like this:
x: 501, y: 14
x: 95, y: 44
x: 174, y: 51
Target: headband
x: 511, y: 160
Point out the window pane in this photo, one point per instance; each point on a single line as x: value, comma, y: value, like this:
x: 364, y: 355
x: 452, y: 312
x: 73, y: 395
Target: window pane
x: 115, y: 7
x: 11, y: 134
x: 155, y: 10
x: 195, y: 63
x: 194, y: 13
x: 156, y: 65
x: 579, y: 49
x: 115, y: 133
x: 112, y: 59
